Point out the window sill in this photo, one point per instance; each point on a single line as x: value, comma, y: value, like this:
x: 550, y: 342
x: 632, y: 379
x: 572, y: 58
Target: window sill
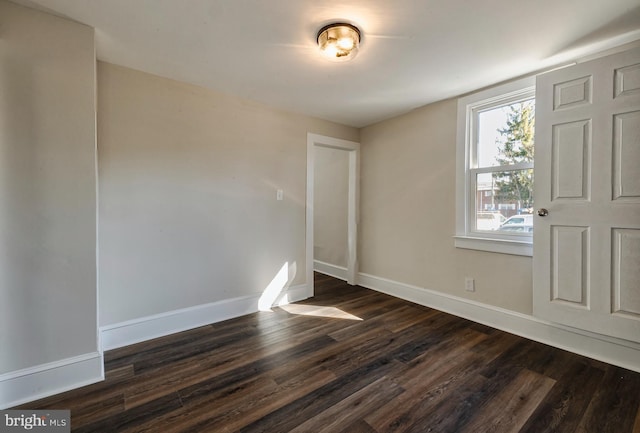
x: 518, y: 248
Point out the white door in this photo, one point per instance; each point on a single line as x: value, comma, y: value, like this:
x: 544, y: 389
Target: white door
x: 587, y: 176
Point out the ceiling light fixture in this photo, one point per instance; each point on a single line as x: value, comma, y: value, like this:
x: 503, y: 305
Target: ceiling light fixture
x: 339, y: 41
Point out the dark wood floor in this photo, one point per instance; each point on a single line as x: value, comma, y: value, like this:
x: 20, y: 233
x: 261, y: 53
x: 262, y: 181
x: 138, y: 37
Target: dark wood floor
x: 401, y: 368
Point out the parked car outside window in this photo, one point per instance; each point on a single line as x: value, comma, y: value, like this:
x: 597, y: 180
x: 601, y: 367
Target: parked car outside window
x: 518, y: 223
x: 489, y: 220
x: 519, y: 219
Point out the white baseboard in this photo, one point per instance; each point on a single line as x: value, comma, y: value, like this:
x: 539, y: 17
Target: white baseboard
x: 611, y: 350
x: 335, y: 271
x: 294, y: 294
x: 34, y: 383
x: 158, y: 325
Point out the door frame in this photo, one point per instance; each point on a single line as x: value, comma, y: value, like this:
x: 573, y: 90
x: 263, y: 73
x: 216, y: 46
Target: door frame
x: 313, y: 141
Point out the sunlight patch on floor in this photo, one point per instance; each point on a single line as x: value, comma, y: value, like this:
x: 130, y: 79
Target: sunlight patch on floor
x: 318, y: 311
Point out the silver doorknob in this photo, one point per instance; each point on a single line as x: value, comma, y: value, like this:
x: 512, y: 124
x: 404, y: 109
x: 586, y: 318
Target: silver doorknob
x: 543, y: 212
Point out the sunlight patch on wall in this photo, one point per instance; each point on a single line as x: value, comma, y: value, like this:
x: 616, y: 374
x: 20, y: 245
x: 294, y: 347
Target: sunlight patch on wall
x: 274, y: 294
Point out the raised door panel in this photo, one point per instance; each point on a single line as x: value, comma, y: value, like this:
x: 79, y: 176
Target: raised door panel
x: 571, y: 154
x: 627, y: 81
x: 570, y: 266
x: 626, y: 272
x: 626, y: 156
x: 572, y: 93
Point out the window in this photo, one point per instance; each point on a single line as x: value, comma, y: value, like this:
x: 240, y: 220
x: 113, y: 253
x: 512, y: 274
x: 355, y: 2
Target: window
x: 494, y: 191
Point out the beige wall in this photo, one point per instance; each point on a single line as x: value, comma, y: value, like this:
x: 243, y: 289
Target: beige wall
x: 408, y: 213
x: 47, y: 189
x: 330, y: 199
x: 188, y: 181
x: 187, y: 208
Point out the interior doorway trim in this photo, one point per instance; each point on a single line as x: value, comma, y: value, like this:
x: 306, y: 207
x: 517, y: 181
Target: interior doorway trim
x: 313, y: 141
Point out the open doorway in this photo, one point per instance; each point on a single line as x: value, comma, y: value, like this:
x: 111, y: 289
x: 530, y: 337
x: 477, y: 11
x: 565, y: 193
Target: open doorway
x: 352, y: 162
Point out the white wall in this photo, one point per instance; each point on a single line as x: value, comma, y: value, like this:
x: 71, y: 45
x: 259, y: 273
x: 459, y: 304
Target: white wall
x: 188, y: 180
x: 47, y: 189
x: 331, y: 194
x: 407, y: 218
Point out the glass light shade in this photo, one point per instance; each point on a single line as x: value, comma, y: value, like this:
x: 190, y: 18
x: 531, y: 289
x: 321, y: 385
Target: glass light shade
x: 339, y: 42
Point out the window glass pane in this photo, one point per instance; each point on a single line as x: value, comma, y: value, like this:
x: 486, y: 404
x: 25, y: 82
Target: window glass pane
x: 504, y: 201
x: 505, y: 134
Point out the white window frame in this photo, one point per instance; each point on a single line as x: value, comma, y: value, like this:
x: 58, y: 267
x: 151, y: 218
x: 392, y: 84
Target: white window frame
x: 466, y: 171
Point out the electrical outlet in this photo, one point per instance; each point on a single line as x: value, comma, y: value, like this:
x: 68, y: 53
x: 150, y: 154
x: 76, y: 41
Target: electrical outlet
x: 469, y: 284
x: 279, y: 194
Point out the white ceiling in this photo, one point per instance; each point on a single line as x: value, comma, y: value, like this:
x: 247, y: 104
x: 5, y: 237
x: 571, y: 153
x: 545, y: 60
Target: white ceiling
x: 413, y: 52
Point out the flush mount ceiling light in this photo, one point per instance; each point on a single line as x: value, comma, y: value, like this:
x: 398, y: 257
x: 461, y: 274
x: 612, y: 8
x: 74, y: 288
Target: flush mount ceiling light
x: 339, y: 41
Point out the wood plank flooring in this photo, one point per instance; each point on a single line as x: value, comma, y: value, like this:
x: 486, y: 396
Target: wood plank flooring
x: 386, y: 366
